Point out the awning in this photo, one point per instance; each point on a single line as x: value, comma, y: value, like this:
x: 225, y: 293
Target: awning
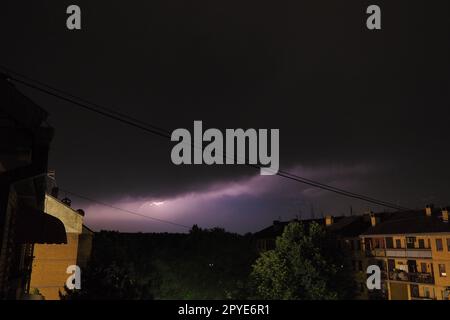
x: 35, y: 226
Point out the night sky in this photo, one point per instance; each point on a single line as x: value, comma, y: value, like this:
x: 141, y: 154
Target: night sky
x: 362, y: 110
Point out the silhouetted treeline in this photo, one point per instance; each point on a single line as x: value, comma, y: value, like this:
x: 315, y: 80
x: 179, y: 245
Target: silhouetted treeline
x: 203, y: 264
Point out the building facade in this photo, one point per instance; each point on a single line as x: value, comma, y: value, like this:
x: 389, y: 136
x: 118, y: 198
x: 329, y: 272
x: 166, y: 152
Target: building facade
x: 51, y: 261
x: 413, y: 252
x: 346, y: 230
x: 411, y: 248
x: 24, y: 145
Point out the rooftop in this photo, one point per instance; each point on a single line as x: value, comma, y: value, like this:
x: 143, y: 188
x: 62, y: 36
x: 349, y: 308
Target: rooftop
x: 400, y: 222
x: 413, y: 222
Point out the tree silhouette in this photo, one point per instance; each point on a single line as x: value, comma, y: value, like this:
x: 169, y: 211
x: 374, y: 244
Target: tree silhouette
x: 305, y: 265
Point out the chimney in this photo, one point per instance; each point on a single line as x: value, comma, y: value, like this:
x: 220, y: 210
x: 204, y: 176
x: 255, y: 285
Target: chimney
x: 51, y: 174
x: 276, y: 225
x: 373, y: 219
x: 445, y: 214
x: 328, y: 220
x: 55, y: 192
x: 429, y: 210
x: 67, y: 201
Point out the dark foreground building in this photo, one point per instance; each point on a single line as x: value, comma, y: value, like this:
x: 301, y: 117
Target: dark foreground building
x: 24, y: 146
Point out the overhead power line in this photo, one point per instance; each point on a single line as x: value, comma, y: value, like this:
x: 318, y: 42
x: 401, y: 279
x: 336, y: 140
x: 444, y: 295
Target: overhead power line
x: 124, y: 210
x: 149, y: 128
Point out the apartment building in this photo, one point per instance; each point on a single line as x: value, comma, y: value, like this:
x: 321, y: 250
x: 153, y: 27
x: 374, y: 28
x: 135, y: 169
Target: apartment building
x: 413, y: 252
x: 346, y: 229
x: 412, y: 249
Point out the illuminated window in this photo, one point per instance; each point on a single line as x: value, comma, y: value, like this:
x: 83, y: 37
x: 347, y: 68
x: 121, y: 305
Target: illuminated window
x: 442, y: 271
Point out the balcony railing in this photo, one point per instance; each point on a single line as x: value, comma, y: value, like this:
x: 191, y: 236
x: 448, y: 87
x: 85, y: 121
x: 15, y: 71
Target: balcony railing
x: 415, y: 294
x: 417, y: 277
x: 377, y: 252
x: 408, y: 253
x: 399, y: 252
x: 422, y: 298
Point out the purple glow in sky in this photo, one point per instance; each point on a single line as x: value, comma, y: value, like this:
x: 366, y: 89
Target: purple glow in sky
x: 244, y: 205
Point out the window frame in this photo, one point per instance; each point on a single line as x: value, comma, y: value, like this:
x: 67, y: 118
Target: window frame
x: 439, y: 247
x: 442, y: 270
x: 421, y: 243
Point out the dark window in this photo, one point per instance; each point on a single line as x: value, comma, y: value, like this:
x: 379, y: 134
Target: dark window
x: 439, y: 246
x: 368, y: 244
x: 421, y: 243
x: 415, y: 290
x: 352, y: 246
x: 398, y: 243
x: 358, y: 244
x: 391, y: 265
x: 375, y: 243
x: 423, y: 267
x: 442, y: 271
x: 389, y: 243
x: 448, y: 244
x: 412, y: 266
x: 360, y: 266
x: 354, y: 265
x: 378, y: 243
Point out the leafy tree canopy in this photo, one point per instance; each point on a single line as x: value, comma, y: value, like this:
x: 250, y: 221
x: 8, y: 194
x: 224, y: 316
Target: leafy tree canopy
x: 305, y: 265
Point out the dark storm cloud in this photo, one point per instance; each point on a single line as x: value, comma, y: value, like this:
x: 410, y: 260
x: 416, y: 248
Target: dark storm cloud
x: 340, y: 94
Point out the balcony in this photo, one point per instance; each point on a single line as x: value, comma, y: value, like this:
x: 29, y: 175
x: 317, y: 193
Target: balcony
x: 377, y: 252
x: 416, y: 295
x: 408, y: 253
x: 422, y: 298
x: 417, y: 277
